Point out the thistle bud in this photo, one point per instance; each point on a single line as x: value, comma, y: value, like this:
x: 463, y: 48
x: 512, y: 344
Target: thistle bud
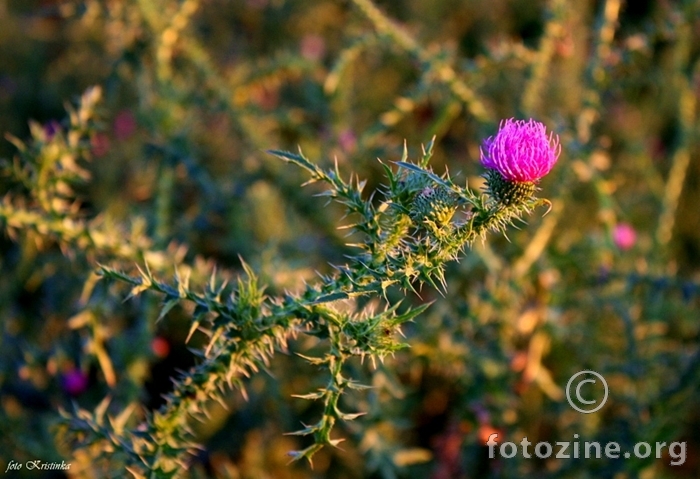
x: 436, y: 204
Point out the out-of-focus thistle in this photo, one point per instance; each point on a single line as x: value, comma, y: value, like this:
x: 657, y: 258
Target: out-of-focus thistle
x: 516, y: 158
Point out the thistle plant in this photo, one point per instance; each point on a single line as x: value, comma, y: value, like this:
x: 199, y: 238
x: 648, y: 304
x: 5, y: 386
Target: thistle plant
x: 411, y: 228
x: 607, y: 281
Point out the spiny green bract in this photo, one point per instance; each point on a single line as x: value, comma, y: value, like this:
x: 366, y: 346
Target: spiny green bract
x: 508, y: 193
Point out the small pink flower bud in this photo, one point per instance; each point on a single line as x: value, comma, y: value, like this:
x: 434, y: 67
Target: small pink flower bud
x: 624, y: 236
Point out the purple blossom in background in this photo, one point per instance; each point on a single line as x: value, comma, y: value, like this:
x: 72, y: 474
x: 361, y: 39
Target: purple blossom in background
x: 624, y: 236
x: 74, y: 382
x: 521, y: 151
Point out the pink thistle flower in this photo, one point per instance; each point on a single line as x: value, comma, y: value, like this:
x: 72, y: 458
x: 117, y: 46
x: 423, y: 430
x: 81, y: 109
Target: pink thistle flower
x: 521, y: 151
x: 624, y: 236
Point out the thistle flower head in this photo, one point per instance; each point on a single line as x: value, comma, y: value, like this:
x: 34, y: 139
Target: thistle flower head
x: 521, y: 151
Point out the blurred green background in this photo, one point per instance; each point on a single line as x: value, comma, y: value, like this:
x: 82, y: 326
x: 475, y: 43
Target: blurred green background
x: 194, y: 92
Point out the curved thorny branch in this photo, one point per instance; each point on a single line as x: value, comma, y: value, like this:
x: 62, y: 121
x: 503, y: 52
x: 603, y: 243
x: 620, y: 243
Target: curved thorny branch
x: 420, y: 223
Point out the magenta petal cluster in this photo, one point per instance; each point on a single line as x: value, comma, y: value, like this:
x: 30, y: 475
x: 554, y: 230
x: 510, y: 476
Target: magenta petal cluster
x: 521, y: 151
